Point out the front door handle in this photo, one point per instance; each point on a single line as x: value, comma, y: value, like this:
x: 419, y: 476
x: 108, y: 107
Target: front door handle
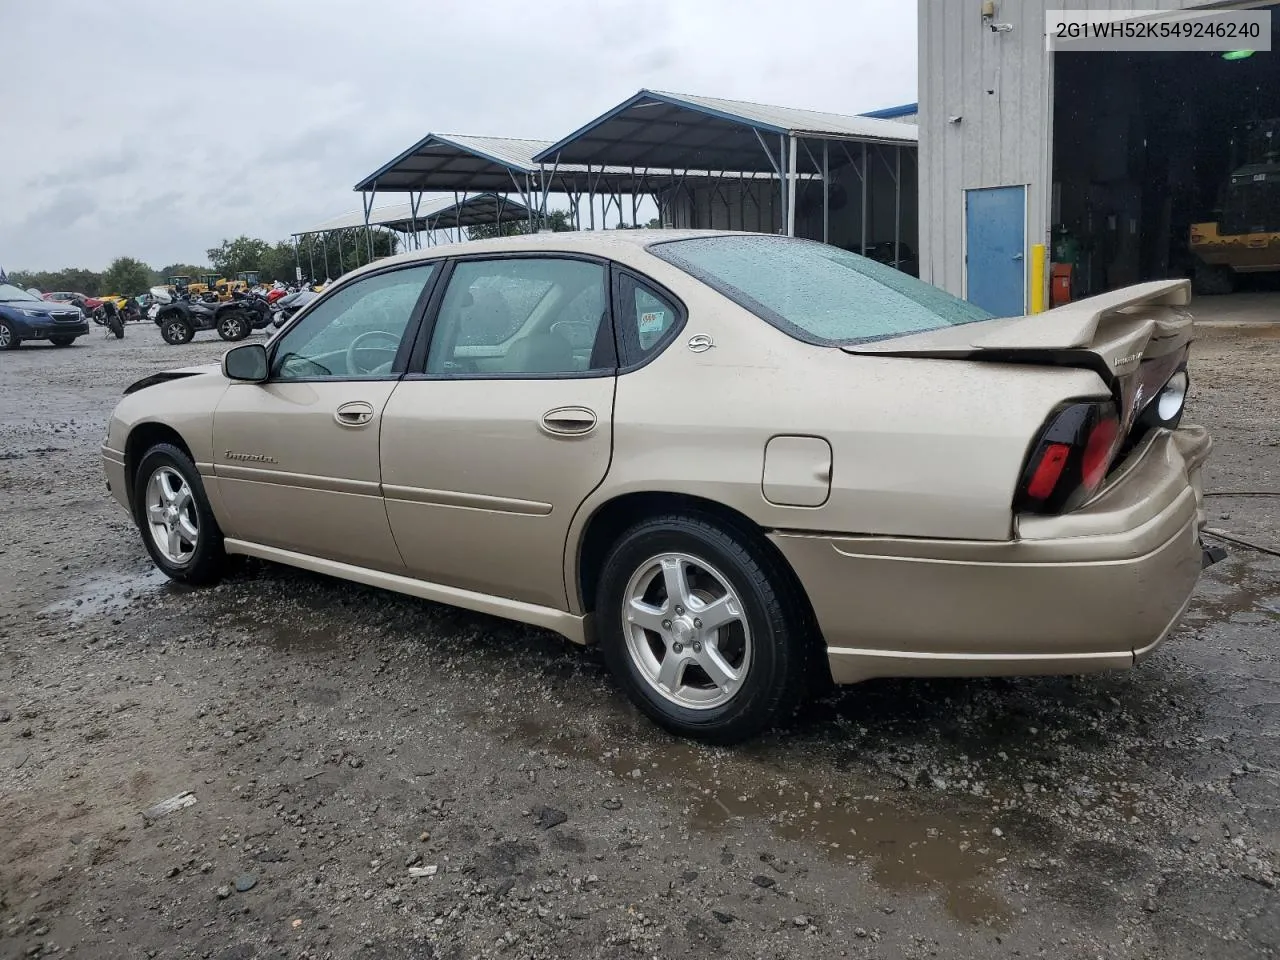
x: 568, y: 421
x: 354, y: 414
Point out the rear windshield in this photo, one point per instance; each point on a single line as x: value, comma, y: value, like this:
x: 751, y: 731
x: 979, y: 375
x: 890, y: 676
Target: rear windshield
x: 814, y: 292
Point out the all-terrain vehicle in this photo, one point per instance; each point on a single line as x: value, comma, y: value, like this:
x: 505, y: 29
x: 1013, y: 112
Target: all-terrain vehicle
x: 181, y: 318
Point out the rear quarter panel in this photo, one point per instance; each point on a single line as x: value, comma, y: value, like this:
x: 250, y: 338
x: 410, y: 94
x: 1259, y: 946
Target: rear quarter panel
x: 920, y: 447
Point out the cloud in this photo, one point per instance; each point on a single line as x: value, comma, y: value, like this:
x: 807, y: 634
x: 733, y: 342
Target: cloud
x: 161, y: 151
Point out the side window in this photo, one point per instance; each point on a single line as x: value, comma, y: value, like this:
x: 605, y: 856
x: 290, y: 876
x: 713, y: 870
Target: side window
x: 524, y: 315
x: 355, y: 332
x: 644, y: 317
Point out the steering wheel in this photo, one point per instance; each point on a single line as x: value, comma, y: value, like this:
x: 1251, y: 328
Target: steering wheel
x: 354, y: 368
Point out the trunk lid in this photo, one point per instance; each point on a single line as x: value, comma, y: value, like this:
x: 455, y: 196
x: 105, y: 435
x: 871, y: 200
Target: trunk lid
x: 1134, y: 338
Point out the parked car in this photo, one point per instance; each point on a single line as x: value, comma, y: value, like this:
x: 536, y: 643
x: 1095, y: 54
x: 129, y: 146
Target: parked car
x: 85, y: 303
x: 738, y: 462
x: 24, y: 317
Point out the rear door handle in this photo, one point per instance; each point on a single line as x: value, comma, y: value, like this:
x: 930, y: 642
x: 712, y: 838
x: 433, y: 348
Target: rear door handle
x: 356, y: 413
x: 568, y: 421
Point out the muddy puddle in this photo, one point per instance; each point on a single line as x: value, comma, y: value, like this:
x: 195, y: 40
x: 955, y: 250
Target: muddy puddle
x: 104, y: 593
x: 1236, y: 591
x: 953, y: 855
x: 280, y: 631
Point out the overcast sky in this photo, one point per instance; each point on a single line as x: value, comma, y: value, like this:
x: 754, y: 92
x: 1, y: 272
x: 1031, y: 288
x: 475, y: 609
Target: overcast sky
x: 154, y: 128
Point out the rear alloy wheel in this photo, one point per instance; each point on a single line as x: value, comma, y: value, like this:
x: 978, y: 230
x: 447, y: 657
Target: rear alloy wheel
x: 62, y: 341
x: 233, y: 327
x: 702, y: 628
x: 176, y: 331
x: 8, y: 338
x: 173, y: 513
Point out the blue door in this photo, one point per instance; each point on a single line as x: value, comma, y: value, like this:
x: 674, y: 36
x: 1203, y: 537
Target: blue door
x: 995, y: 243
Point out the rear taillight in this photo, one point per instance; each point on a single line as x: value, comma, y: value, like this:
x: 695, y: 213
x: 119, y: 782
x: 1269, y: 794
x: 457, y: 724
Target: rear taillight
x: 1070, y: 460
x: 1098, y: 448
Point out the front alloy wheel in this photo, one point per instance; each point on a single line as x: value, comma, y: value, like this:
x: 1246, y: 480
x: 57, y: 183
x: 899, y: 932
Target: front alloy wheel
x: 172, y: 517
x: 686, y: 632
x: 172, y: 512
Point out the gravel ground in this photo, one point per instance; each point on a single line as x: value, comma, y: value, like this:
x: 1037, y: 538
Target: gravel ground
x: 374, y: 776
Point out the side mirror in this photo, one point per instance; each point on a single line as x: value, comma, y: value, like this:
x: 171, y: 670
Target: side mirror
x: 247, y: 363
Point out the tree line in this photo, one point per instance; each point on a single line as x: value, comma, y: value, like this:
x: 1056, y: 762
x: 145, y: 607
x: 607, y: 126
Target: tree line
x: 319, y: 256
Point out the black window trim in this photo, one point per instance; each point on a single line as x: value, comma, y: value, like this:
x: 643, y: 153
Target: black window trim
x: 418, y: 358
x: 625, y: 363
x: 407, y: 342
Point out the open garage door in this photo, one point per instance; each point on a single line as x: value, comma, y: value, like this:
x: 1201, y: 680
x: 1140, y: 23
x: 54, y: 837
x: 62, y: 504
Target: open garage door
x: 1158, y: 159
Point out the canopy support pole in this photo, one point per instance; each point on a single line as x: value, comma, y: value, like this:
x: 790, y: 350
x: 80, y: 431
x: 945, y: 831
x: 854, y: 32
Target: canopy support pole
x: 826, y: 196
x: 865, y: 172
x: 897, y: 209
x: 415, y: 202
x: 368, y: 198
x: 791, y: 189
x: 782, y: 183
x: 297, y: 261
x: 776, y: 164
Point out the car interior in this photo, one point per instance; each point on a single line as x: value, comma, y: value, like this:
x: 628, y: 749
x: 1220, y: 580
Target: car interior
x: 523, y: 325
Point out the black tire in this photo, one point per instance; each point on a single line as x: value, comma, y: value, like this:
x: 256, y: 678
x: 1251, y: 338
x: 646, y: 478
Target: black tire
x: 116, y: 327
x: 208, y: 559
x: 234, y: 326
x: 176, y: 331
x: 62, y: 341
x: 9, y: 339
x: 1212, y: 280
x: 782, y: 642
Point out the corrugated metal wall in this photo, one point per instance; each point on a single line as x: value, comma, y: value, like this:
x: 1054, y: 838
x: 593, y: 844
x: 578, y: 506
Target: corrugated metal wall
x: 1000, y: 86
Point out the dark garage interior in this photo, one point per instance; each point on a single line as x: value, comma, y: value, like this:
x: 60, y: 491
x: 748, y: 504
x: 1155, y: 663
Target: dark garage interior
x: 1145, y: 145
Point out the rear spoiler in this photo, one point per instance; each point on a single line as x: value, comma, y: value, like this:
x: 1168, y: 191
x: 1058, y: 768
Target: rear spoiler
x: 1076, y: 324
x: 1066, y: 335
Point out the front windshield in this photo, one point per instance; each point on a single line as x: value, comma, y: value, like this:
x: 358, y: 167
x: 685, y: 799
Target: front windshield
x: 814, y: 292
x: 9, y: 292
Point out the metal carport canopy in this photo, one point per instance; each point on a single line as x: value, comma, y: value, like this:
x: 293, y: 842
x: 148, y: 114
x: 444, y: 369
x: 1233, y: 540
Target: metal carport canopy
x: 678, y: 131
x: 451, y: 161
x: 435, y: 213
x: 461, y: 162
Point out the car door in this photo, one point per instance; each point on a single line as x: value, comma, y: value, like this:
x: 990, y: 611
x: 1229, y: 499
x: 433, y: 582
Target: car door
x: 492, y: 447
x: 296, y: 457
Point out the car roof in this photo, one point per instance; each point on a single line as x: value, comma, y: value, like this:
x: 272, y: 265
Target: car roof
x: 601, y: 243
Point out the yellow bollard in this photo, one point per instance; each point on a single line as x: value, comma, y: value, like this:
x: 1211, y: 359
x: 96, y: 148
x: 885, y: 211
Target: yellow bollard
x: 1037, y: 278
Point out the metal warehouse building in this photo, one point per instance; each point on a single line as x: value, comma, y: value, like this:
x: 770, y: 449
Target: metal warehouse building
x: 1125, y: 166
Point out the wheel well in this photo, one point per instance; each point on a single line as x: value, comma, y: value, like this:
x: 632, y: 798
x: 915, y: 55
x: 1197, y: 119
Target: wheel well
x: 141, y: 439
x: 611, y: 520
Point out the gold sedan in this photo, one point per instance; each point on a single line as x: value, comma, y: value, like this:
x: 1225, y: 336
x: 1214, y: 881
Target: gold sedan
x: 739, y: 463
